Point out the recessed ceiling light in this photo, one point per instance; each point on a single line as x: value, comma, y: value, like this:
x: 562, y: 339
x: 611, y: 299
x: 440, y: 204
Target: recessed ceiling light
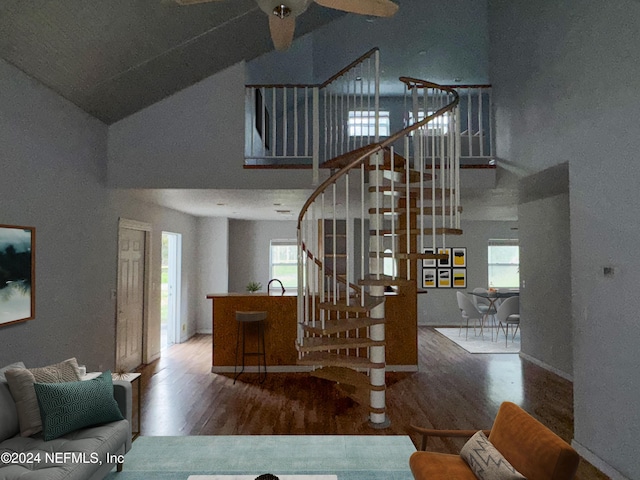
x: 284, y: 212
x: 422, y: 52
x: 221, y: 204
x: 277, y: 204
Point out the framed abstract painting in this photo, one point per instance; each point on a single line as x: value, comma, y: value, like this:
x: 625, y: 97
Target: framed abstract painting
x: 17, y: 274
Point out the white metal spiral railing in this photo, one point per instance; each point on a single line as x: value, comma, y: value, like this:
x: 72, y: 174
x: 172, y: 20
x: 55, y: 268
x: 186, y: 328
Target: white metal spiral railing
x: 403, y: 203
x: 386, y: 206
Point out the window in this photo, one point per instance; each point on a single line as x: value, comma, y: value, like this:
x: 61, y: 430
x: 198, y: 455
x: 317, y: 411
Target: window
x: 504, y: 264
x: 362, y: 123
x: 284, y: 263
x: 437, y: 126
x: 389, y: 265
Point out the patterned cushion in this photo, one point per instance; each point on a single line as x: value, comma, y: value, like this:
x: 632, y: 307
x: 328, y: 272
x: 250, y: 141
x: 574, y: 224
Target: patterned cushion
x: 69, y: 406
x: 21, y: 382
x: 486, y: 462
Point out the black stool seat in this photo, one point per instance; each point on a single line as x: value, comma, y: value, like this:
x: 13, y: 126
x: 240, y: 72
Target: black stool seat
x: 247, y: 318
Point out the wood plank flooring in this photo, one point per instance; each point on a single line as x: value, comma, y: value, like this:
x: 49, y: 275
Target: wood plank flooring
x: 452, y: 389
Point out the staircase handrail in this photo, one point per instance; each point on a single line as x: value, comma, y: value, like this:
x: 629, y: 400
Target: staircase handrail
x: 376, y: 147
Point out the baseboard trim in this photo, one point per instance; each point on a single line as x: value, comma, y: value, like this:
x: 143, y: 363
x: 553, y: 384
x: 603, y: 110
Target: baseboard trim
x: 597, y: 462
x: 206, y: 331
x: 546, y: 366
x: 299, y: 368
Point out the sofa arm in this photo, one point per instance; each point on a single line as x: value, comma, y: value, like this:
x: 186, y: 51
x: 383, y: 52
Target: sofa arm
x: 123, y: 395
x: 430, y: 432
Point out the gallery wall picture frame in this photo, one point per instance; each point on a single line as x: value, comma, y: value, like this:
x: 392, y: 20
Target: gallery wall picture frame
x: 447, y: 262
x: 444, y: 278
x: 459, y: 278
x: 429, y: 279
x: 428, y: 262
x: 17, y: 274
x: 459, y: 256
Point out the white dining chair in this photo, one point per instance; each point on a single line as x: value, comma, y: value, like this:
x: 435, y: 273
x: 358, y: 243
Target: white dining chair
x: 509, y: 314
x: 469, y: 312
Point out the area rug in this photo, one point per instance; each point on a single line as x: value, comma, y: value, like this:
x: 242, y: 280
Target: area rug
x: 350, y: 457
x: 484, y: 344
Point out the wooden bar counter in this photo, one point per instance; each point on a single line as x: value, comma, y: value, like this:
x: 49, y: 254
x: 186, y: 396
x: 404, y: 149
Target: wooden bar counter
x: 281, y: 329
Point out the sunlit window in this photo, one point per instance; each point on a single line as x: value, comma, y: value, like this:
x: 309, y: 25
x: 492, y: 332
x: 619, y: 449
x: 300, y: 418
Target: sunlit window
x: 362, y: 123
x: 284, y: 263
x: 504, y: 264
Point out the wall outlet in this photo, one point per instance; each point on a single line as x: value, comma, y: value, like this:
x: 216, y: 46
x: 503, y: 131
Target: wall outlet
x: 184, y: 327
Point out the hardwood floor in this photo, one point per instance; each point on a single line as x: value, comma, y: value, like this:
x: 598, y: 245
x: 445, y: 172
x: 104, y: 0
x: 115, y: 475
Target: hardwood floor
x: 452, y: 389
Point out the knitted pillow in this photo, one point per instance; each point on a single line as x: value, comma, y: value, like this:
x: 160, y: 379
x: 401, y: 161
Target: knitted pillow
x: 21, y: 382
x: 486, y: 461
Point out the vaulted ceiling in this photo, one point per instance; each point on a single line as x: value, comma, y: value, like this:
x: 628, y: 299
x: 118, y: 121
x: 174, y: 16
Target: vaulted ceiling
x: 114, y: 57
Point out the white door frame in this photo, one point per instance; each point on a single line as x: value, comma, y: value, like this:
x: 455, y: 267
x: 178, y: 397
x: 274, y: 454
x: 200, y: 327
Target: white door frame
x: 147, y: 228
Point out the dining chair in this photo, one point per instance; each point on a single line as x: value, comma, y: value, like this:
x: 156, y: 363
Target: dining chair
x: 469, y: 312
x: 509, y: 314
x: 486, y: 306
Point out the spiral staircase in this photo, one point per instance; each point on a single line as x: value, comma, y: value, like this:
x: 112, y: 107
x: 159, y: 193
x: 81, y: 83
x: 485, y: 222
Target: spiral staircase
x: 387, y: 205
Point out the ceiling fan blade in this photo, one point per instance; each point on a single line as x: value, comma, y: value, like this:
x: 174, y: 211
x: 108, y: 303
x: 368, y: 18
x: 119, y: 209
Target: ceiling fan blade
x: 282, y: 31
x: 193, y: 2
x: 376, y: 8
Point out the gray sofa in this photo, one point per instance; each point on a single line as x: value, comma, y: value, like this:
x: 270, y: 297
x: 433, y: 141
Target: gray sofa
x: 92, y: 451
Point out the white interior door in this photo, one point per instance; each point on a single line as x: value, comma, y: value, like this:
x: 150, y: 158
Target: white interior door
x: 130, y: 295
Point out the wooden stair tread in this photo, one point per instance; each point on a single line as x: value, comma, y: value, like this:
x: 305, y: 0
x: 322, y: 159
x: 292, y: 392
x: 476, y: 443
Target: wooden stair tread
x: 345, y: 159
x: 342, y: 325
x: 320, y: 344
x: 346, y: 376
x: 359, y: 395
x: 355, y: 307
x: 337, y: 360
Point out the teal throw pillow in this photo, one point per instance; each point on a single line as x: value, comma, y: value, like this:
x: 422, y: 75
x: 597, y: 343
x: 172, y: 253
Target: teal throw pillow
x: 69, y: 406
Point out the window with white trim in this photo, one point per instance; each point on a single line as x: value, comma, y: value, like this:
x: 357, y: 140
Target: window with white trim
x: 504, y: 263
x: 362, y: 123
x: 283, y: 263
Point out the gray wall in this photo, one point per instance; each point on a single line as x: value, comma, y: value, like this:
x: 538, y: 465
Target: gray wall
x: 545, y: 265
x: 249, y: 250
x: 53, y: 178
x: 565, y: 80
x: 193, y: 139
x: 213, y: 266
x: 439, y: 306
x: 453, y: 36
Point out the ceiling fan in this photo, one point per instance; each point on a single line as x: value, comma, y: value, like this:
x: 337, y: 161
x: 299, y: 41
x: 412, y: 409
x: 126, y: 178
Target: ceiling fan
x: 282, y: 13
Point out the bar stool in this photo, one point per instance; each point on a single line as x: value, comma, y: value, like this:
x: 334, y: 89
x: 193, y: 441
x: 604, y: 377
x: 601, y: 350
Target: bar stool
x: 243, y: 319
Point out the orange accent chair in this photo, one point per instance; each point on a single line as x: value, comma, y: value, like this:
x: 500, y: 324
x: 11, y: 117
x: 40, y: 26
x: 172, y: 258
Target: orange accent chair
x: 530, y: 447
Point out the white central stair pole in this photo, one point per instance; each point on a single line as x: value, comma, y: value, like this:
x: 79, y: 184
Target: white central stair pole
x: 378, y: 416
